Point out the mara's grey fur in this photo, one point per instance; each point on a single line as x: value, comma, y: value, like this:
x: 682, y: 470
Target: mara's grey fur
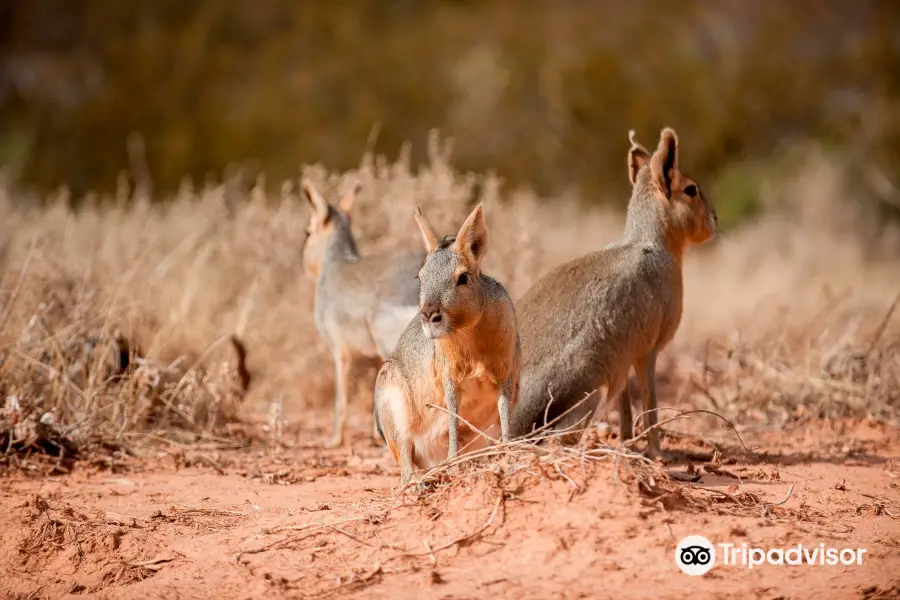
x: 462, y: 351
x: 588, y: 321
x: 362, y: 304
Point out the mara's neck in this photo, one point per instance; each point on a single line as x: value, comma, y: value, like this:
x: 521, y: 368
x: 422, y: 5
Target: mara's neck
x: 340, y: 250
x: 648, y: 223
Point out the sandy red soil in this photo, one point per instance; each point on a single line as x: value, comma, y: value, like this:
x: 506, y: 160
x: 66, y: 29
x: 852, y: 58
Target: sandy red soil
x: 307, y: 522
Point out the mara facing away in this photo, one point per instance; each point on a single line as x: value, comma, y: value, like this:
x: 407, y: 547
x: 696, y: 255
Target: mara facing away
x: 588, y: 321
x: 362, y: 304
x: 462, y: 352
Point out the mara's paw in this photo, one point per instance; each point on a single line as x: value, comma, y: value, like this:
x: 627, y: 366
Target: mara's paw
x: 416, y: 485
x: 421, y: 486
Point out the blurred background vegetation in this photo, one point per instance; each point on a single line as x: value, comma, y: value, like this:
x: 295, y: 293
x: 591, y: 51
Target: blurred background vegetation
x: 541, y: 91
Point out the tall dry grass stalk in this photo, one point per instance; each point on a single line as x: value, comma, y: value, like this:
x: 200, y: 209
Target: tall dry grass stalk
x: 766, y: 306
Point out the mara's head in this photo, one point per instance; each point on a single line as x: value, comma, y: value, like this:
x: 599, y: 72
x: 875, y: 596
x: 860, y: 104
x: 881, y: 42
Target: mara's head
x: 689, y: 213
x: 328, y: 228
x: 452, y: 291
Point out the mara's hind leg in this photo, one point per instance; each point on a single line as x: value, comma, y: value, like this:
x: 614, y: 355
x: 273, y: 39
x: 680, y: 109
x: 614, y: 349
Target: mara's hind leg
x: 645, y: 369
x: 615, y: 392
x: 377, y: 433
x: 392, y: 418
x: 626, y: 419
x: 384, y: 420
x: 407, y: 466
x: 582, y: 410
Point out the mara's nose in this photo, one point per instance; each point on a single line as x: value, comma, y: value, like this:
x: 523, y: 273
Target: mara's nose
x: 431, y: 313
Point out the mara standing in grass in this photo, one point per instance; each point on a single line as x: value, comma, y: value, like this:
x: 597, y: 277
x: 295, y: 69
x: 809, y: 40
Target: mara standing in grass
x: 589, y: 321
x: 461, y: 352
x: 362, y: 304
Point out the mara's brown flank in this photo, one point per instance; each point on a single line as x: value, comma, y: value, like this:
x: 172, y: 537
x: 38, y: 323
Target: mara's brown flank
x: 589, y: 321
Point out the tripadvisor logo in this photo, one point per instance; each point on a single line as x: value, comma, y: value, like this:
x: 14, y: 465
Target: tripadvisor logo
x: 696, y: 555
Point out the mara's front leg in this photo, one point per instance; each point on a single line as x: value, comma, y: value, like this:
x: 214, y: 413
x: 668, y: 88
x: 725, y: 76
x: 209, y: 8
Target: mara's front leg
x: 450, y: 397
x: 504, y: 407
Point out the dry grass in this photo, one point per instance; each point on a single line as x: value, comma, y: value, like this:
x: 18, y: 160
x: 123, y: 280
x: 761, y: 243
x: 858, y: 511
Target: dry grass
x: 784, y: 318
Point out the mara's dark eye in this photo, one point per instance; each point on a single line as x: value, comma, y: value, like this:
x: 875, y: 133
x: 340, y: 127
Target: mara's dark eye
x: 691, y: 190
x: 463, y: 279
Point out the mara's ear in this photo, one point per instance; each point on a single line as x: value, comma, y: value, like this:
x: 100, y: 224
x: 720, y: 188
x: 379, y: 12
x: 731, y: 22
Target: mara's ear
x: 472, y: 239
x: 428, y: 236
x: 664, y: 163
x: 346, y: 203
x: 319, y: 206
x: 637, y: 157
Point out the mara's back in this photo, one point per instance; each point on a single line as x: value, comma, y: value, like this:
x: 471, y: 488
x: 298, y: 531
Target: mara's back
x: 576, y: 320
x: 387, y: 278
x: 396, y: 299
x: 395, y: 278
x: 369, y: 300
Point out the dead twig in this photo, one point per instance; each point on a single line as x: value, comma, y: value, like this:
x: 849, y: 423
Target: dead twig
x: 472, y: 427
x: 154, y: 564
x: 354, y: 581
x: 349, y: 535
x: 786, y: 498
x: 681, y: 415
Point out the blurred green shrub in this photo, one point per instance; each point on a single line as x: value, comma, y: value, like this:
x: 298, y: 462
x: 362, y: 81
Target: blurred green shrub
x: 543, y: 95
x: 736, y: 193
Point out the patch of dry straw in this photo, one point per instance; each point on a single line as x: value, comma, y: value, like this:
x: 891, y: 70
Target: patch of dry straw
x: 784, y: 318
